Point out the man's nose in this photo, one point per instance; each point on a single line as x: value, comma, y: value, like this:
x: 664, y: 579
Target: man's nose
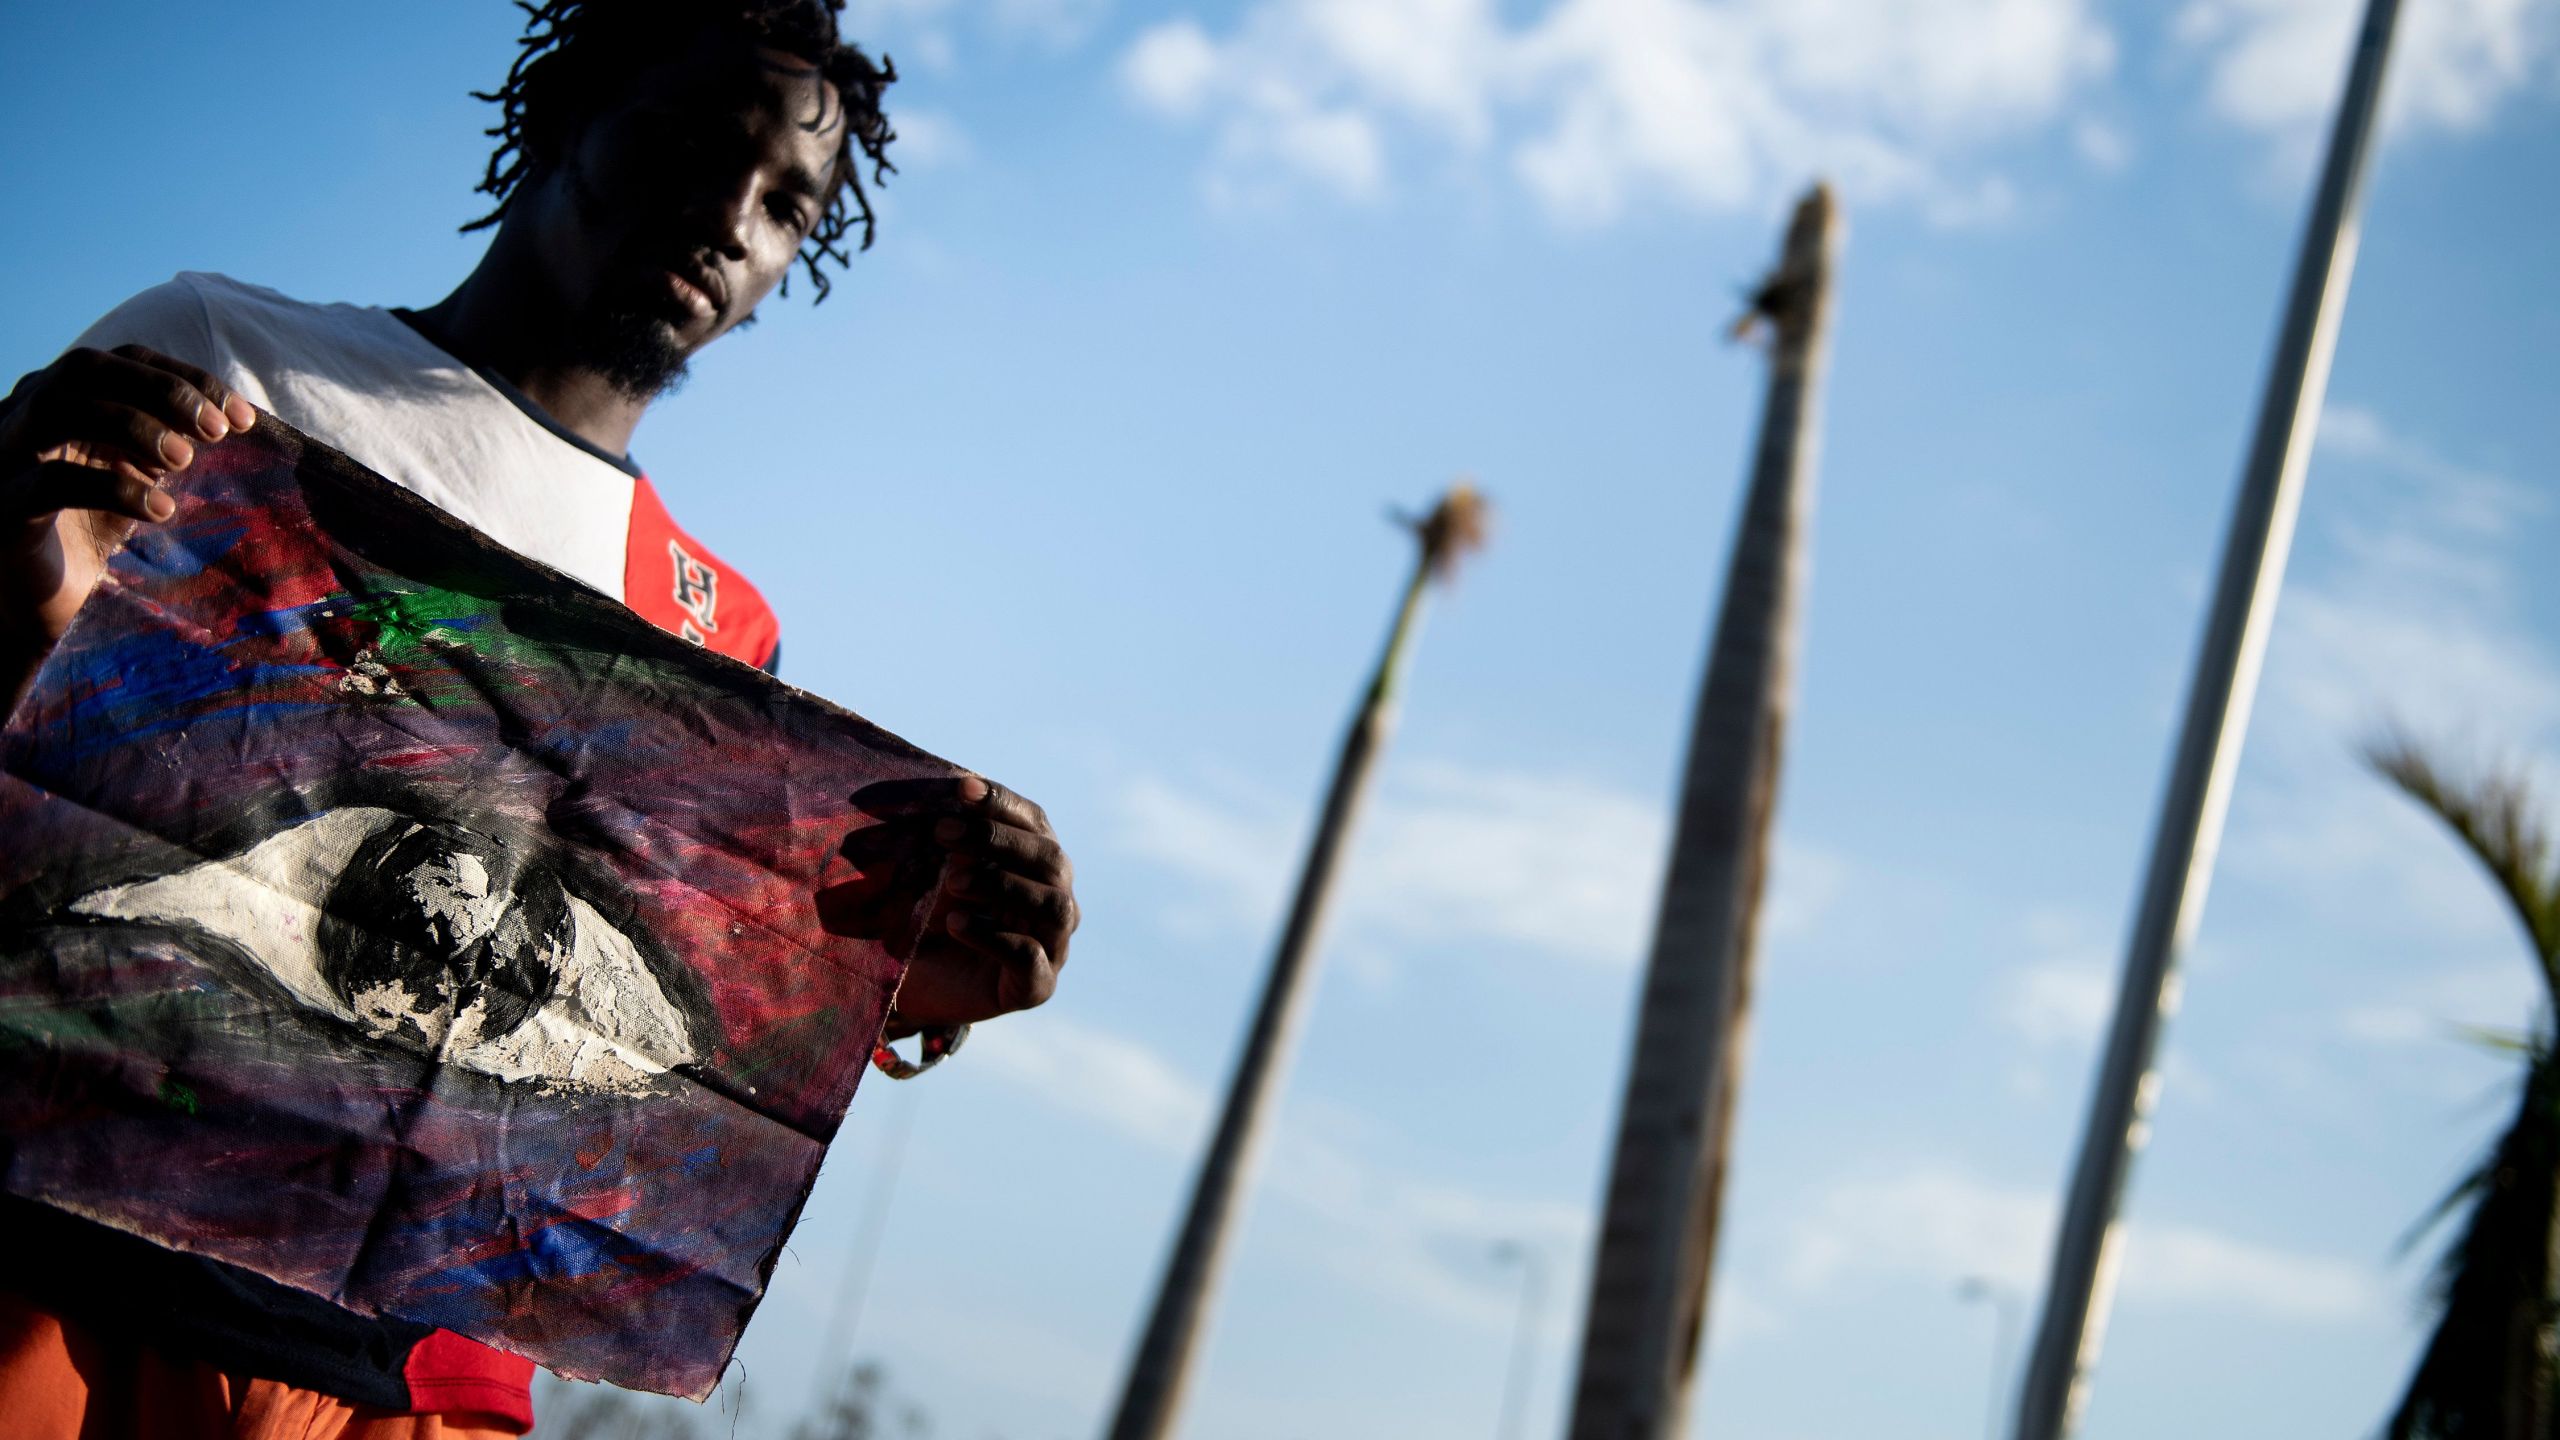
x: 724, y: 210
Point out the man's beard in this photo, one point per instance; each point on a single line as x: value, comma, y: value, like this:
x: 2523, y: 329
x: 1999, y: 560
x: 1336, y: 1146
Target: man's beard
x: 617, y: 336
x: 636, y: 352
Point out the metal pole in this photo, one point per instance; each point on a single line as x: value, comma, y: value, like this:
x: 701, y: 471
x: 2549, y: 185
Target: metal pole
x: 2086, y: 1248
x: 1649, y: 1280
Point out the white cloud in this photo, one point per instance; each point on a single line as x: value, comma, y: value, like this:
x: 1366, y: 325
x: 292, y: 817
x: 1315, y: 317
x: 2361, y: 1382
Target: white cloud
x: 1119, y: 1084
x: 1805, y: 883
x: 1597, y: 104
x: 2352, y: 430
x: 869, y: 17
x: 2059, y: 1003
x: 1420, y: 1242
x: 2410, y: 604
x: 930, y: 29
x: 1172, y: 67
x: 1412, y: 1240
x: 1935, y: 1224
x: 2444, y: 1004
x: 2275, y: 67
x: 1235, y: 847
x: 1552, y: 864
x: 2104, y: 146
x: 1061, y: 22
x: 1338, y: 147
x: 2187, y: 1266
x: 2409, y: 610
x: 929, y: 139
x: 2461, y: 502
x: 1942, y: 1226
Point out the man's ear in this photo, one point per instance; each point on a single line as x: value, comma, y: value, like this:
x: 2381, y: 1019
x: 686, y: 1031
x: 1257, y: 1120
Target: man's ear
x: 545, y: 147
x: 547, y: 138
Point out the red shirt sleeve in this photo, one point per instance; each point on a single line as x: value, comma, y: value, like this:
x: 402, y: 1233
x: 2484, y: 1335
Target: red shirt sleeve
x: 675, y: 581
x: 449, y: 1375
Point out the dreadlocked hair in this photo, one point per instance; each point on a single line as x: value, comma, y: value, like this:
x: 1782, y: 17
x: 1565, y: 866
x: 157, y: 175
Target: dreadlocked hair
x: 573, y: 52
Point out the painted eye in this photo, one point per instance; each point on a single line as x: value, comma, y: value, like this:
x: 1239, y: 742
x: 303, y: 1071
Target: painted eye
x: 434, y: 938
x: 431, y: 934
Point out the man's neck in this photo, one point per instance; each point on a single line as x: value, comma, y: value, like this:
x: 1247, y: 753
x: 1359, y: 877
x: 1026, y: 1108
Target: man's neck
x: 497, y: 320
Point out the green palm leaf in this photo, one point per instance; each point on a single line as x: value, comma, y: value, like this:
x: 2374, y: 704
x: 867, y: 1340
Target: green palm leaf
x: 2496, y: 817
x: 2487, y: 1370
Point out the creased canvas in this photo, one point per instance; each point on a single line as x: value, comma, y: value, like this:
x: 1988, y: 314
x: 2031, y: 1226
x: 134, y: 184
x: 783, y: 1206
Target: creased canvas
x: 400, y: 919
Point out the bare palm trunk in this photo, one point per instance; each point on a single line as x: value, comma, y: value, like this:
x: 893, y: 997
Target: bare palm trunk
x: 1649, y: 1285
x: 1151, y: 1397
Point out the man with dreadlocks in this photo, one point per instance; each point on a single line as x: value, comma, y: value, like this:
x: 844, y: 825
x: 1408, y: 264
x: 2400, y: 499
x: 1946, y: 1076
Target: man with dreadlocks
x: 661, y: 167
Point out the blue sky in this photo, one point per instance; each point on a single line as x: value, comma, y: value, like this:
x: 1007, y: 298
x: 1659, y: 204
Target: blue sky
x: 1081, y: 479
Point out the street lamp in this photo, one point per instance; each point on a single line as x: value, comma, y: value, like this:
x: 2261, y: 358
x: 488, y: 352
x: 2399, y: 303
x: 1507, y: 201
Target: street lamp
x: 1533, y: 1288
x: 845, y: 1319
x: 2004, y: 1336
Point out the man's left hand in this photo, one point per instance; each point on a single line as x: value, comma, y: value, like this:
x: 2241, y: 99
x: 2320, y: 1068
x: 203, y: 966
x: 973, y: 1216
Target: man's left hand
x: 1003, y: 904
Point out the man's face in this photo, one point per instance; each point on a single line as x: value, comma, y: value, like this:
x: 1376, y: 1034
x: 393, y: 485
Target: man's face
x: 670, y: 214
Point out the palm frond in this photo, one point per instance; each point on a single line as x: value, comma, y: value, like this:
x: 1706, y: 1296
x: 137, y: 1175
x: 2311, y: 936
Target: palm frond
x: 2464, y: 1190
x: 2503, y: 1042
x: 2496, y: 816
x: 1455, y: 528
x: 2486, y: 1373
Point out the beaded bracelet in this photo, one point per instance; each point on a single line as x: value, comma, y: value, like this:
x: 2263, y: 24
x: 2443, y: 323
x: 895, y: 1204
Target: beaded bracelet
x: 935, y: 1044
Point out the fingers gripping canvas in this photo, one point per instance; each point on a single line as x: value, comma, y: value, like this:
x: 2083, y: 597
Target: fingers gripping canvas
x: 402, y: 920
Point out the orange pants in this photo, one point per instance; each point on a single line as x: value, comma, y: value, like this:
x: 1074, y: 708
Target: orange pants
x: 59, y: 1380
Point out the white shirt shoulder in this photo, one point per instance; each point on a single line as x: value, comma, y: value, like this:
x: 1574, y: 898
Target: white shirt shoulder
x: 359, y: 379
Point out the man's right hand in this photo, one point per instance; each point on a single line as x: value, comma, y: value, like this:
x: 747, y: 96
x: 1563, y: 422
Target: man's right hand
x: 84, y: 445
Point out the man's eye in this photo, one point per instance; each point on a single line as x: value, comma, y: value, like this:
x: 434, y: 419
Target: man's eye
x: 790, y: 214
x: 669, y: 127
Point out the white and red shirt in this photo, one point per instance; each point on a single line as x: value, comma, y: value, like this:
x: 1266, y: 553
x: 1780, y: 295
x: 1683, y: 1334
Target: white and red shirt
x: 364, y: 382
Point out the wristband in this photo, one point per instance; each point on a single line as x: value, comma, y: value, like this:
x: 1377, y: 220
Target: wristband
x: 935, y: 1043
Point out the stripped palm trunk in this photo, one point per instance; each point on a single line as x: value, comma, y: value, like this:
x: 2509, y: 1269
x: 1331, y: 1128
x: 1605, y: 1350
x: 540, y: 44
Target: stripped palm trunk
x: 1649, y: 1284
x: 1151, y: 1397
x: 2487, y: 1372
